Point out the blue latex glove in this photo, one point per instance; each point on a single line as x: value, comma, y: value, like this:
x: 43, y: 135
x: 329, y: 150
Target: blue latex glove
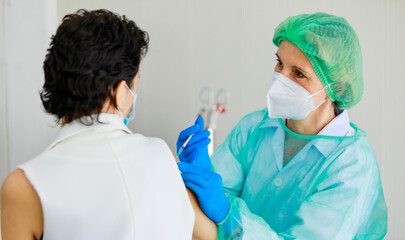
x: 196, y: 151
x: 207, y: 185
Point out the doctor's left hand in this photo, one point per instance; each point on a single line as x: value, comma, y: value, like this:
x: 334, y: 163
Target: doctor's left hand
x: 207, y: 185
x: 196, y: 151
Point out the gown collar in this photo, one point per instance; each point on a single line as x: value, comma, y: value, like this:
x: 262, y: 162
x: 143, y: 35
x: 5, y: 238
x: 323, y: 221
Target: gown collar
x: 108, y: 122
x: 337, y: 130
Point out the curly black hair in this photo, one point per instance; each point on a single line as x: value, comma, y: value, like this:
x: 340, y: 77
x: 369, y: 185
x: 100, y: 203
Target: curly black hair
x: 91, y: 52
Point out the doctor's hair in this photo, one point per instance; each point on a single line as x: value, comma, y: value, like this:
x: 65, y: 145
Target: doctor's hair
x: 336, y: 110
x: 91, y: 52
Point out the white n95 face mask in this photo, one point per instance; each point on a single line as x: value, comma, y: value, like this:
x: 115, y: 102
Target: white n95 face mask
x: 287, y: 99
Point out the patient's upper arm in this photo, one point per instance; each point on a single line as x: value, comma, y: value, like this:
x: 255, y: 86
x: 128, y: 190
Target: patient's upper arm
x: 21, y: 211
x: 204, y: 228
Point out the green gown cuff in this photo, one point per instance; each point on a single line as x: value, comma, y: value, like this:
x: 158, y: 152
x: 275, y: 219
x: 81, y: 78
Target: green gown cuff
x: 230, y: 227
x: 227, y: 216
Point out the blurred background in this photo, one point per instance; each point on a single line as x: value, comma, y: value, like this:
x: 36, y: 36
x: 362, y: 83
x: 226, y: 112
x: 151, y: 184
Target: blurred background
x: 207, y: 43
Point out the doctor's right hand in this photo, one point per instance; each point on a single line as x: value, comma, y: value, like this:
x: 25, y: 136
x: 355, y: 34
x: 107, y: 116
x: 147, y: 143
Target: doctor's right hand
x: 196, y: 151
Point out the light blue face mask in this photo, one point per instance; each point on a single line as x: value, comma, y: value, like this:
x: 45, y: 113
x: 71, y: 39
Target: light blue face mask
x: 131, y: 114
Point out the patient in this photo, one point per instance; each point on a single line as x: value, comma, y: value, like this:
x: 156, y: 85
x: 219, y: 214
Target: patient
x: 98, y: 180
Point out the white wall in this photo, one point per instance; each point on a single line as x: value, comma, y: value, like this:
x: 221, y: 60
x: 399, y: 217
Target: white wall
x: 226, y: 43
x: 26, y: 26
x: 3, y: 112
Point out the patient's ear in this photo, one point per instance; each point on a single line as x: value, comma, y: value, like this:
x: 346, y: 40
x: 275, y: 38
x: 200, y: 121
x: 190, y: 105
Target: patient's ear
x: 123, y: 98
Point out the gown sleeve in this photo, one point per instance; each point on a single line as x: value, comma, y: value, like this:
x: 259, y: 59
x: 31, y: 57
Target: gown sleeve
x: 347, y: 191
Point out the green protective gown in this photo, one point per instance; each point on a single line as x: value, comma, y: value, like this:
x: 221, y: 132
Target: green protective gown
x: 330, y: 189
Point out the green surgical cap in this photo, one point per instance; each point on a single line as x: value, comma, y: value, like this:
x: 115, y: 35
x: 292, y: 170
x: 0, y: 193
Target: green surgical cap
x: 333, y: 49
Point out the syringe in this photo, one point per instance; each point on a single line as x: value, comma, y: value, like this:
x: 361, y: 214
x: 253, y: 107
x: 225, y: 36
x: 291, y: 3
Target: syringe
x: 184, y: 145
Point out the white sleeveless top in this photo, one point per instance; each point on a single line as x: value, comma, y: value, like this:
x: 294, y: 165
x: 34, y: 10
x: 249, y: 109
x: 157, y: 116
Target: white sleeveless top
x: 102, y: 182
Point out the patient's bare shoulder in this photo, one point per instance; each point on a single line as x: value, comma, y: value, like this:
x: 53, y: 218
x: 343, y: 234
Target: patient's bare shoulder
x: 21, y: 210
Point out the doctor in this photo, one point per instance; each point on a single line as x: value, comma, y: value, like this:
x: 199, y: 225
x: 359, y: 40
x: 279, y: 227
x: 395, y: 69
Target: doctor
x: 299, y: 169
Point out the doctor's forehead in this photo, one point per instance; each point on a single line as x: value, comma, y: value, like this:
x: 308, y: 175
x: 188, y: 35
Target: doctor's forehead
x: 289, y: 54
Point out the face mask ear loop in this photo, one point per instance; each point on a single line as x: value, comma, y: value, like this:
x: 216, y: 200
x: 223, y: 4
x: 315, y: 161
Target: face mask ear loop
x: 133, y: 95
x: 118, y: 108
x: 319, y: 104
x: 323, y: 100
x: 318, y: 92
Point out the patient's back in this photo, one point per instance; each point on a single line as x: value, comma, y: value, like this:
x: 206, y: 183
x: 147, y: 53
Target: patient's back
x: 102, y: 182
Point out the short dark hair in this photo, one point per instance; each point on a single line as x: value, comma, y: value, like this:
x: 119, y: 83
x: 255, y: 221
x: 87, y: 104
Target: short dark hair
x: 91, y: 52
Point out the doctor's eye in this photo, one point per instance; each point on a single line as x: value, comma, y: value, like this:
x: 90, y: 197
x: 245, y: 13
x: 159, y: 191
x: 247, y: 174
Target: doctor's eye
x: 279, y: 65
x: 299, y: 74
